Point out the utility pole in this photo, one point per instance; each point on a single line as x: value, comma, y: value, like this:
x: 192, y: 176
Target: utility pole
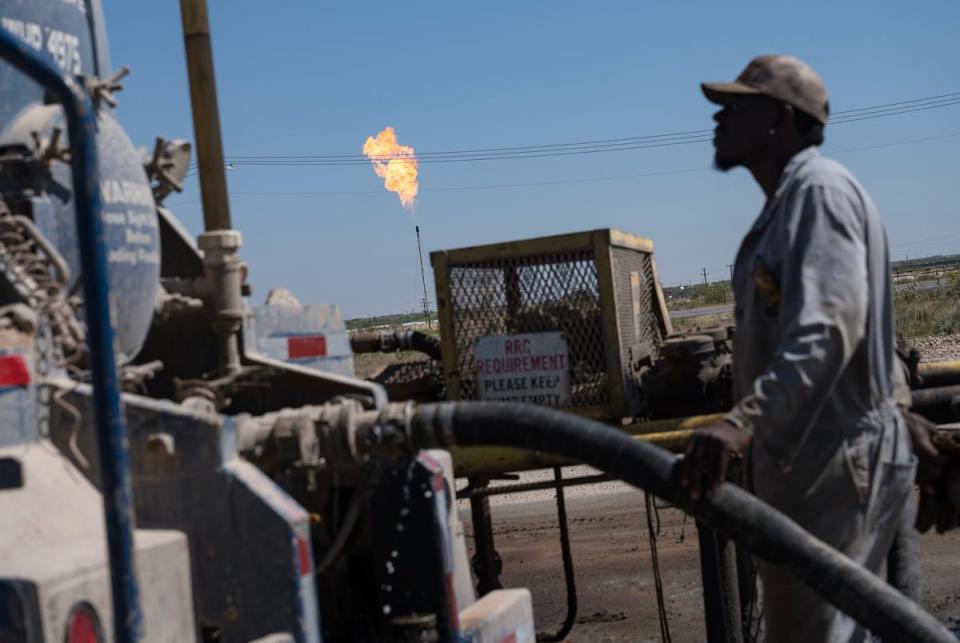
x: 730, y: 266
x: 704, y: 276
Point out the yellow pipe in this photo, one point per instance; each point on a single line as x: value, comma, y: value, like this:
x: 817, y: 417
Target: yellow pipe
x: 671, y: 434
x: 939, y: 366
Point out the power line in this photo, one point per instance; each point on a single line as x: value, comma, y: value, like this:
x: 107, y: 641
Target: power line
x: 458, y: 188
x: 917, y: 104
x: 586, y: 147
x: 902, y: 102
x: 598, y: 142
x: 895, y: 144
x: 896, y: 112
x: 610, y: 142
x: 596, y: 179
x: 498, y: 156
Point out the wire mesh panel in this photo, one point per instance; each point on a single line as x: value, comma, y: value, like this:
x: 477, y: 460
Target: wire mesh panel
x: 637, y: 309
x: 533, y: 295
x: 598, y: 289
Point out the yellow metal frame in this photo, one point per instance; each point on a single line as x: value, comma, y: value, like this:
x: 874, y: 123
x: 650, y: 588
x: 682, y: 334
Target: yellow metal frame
x: 611, y: 326
x: 600, y: 242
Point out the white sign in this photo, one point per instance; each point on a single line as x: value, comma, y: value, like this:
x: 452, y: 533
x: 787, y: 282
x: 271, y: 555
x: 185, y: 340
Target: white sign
x: 532, y: 368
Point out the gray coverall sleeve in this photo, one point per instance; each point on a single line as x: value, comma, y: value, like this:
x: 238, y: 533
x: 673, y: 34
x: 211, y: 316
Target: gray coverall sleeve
x: 822, y: 317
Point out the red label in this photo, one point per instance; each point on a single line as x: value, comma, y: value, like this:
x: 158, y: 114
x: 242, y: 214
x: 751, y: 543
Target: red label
x: 509, y: 638
x: 303, y: 552
x: 13, y: 371
x: 309, y: 346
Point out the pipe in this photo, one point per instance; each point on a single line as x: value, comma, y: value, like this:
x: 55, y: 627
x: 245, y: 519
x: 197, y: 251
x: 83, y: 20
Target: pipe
x: 940, y: 405
x: 486, y: 562
x: 343, y: 534
x: 206, y: 117
x: 111, y: 432
x: 721, y: 591
x: 939, y: 374
x: 219, y: 242
x: 731, y: 511
x: 388, y: 341
x: 222, y: 266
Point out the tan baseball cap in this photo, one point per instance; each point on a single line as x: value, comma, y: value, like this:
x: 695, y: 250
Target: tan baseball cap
x: 785, y: 78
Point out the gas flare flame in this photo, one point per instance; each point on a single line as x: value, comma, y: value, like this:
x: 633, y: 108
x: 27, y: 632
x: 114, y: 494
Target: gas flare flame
x: 395, y: 164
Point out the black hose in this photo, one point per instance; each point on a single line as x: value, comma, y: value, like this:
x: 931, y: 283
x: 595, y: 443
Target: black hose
x: 388, y: 341
x: 732, y: 511
x: 417, y: 341
x: 940, y: 405
x: 343, y: 533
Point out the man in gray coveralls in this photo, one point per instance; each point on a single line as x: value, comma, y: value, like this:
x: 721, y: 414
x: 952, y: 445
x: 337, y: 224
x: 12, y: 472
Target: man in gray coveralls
x: 814, y: 362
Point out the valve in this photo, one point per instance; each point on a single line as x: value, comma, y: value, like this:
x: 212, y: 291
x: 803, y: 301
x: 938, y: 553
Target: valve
x: 102, y: 91
x: 167, y: 167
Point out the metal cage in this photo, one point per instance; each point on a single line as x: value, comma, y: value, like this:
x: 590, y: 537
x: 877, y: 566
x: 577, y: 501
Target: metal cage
x: 598, y: 288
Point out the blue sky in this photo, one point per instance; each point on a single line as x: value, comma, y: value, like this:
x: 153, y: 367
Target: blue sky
x: 300, y: 77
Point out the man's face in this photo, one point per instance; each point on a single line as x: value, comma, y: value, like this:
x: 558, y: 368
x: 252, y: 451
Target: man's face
x: 743, y: 130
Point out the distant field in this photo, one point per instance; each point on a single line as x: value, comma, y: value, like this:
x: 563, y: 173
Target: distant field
x: 389, y: 321
x: 698, y: 295
x: 925, y: 263
x: 925, y: 309
x: 685, y: 324
x: 922, y: 312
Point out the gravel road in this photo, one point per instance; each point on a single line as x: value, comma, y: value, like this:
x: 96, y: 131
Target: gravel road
x: 617, y: 600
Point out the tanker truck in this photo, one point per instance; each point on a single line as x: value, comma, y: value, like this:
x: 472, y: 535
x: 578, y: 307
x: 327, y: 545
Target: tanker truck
x: 178, y: 464
x: 212, y: 518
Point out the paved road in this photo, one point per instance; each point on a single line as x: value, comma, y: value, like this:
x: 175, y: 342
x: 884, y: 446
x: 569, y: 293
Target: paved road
x: 703, y: 310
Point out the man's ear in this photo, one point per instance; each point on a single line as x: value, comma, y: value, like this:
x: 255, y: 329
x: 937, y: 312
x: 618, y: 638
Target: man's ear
x: 786, y: 116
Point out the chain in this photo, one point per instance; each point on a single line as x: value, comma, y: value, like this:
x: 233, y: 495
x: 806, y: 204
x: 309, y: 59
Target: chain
x: 40, y: 276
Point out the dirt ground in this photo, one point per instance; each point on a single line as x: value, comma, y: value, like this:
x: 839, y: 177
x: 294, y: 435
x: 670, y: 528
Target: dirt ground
x: 611, y: 549
x: 938, y: 348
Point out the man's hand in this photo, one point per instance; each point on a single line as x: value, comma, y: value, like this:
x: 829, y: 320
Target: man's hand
x: 930, y: 461
x: 704, y: 466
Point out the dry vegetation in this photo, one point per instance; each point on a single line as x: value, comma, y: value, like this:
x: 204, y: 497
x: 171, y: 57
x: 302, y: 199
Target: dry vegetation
x: 924, y: 311
x: 699, y: 295
x: 927, y: 318
x: 685, y: 324
x: 927, y: 315
x: 369, y: 364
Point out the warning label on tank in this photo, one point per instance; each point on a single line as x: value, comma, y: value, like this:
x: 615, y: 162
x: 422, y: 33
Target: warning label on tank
x: 532, y: 368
